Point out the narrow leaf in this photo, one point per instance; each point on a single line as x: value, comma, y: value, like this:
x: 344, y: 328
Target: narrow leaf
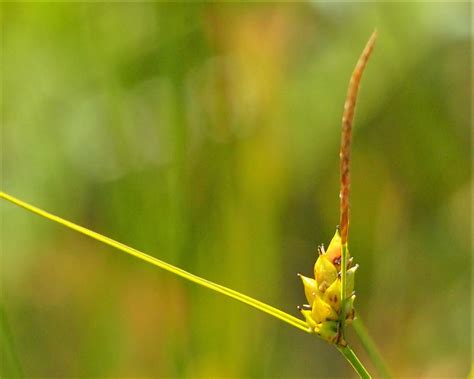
x: 293, y: 321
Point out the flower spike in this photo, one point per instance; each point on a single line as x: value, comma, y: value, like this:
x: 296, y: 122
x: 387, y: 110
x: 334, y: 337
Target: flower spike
x: 331, y: 293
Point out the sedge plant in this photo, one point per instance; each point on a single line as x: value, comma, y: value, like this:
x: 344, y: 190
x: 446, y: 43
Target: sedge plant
x: 329, y: 294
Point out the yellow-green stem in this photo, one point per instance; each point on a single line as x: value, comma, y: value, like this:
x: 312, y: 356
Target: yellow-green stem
x: 289, y: 319
x: 354, y: 361
x: 343, y: 288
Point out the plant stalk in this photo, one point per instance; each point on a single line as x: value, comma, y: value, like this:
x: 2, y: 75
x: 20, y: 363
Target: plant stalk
x: 354, y: 361
x: 343, y: 289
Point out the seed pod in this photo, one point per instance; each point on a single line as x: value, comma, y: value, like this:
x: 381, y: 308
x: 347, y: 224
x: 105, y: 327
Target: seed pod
x: 350, y: 280
x: 333, y: 252
x: 310, y: 288
x: 324, y: 272
x: 322, y: 311
x: 332, y: 296
x: 334, y: 249
x: 350, y: 311
x: 329, y: 331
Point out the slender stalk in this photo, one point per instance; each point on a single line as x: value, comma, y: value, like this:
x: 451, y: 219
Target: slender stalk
x: 371, y: 348
x: 354, y: 361
x: 283, y: 316
x: 346, y: 136
x: 343, y: 289
x: 345, y: 157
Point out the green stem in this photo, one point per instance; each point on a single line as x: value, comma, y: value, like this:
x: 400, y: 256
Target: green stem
x: 371, y: 348
x: 354, y: 361
x: 343, y: 288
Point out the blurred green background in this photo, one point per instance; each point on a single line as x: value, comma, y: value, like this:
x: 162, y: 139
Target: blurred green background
x: 208, y: 135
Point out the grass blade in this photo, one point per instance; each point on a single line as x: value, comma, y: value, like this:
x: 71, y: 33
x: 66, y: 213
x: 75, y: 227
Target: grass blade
x: 283, y: 316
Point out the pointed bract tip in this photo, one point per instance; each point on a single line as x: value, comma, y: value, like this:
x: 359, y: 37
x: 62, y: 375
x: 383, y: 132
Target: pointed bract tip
x: 372, y: 39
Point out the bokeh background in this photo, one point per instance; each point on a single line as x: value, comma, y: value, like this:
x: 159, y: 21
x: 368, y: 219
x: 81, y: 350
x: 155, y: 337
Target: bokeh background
x: 207, y: 135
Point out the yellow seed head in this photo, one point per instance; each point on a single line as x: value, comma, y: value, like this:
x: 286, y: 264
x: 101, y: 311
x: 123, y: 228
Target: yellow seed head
x: 323, y: 312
